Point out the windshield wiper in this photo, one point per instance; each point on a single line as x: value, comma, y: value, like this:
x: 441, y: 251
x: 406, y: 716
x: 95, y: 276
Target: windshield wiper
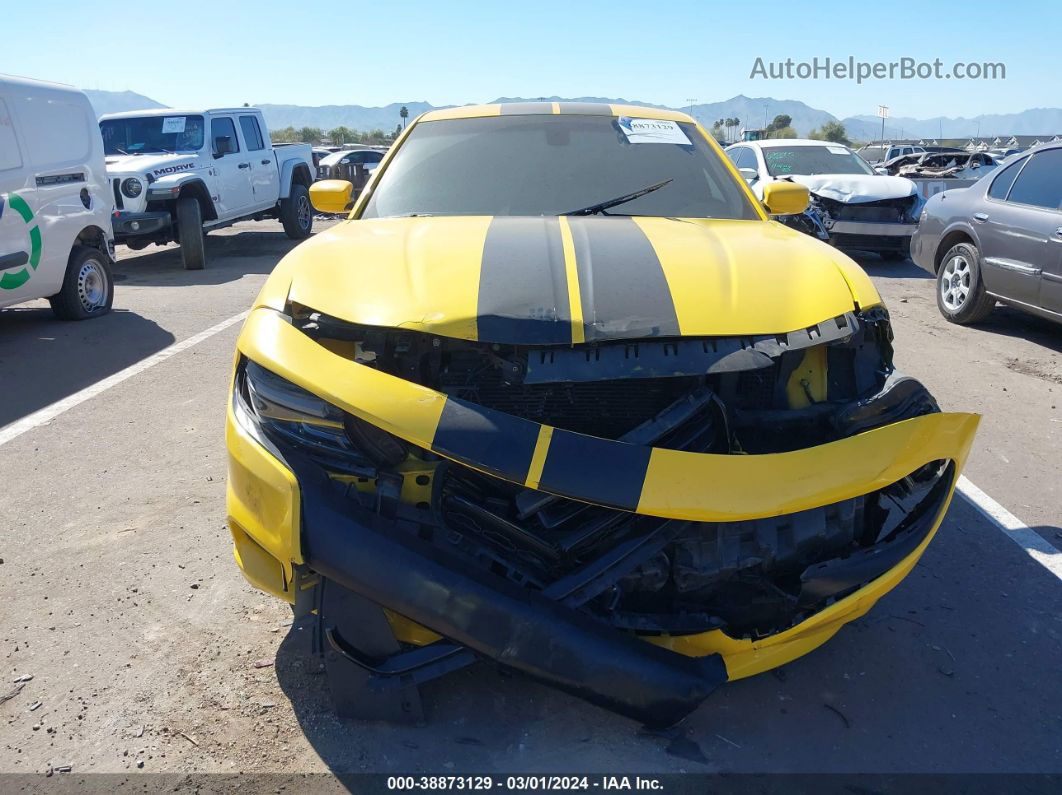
x: 593, y: 209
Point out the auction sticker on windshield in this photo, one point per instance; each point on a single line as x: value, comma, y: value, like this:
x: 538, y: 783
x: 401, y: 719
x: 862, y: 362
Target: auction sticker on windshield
x: 652, y: 131
x: 173, y: 124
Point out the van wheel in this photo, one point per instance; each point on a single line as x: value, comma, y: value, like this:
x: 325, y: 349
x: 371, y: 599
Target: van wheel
x: 961, y: 295
x: 88, y: 286
x: 190, y: 232
x: 296, y: 213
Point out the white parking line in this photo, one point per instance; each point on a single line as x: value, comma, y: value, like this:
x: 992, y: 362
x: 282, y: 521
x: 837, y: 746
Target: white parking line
x: 1021, y: 534
x: 50, y: 412
x: 1012, y: 527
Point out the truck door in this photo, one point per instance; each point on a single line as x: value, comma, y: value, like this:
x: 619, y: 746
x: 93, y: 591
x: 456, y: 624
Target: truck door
x: 18, y: 225
x: 233, y: 165
x: 265, y: 173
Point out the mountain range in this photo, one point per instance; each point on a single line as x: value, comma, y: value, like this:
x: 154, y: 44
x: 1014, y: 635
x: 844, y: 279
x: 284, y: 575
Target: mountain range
x: 750, y: 110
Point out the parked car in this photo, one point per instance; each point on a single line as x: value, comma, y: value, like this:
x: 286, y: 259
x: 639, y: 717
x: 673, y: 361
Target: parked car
x: 55, y: 204
x: 319, y: 154
x: 997, y: 240
x: 176, y: 173
x: 940, y: 165
x: 369, y: 158
x: 876, y: 153
x: 560, y: 394
x: 851, y: 205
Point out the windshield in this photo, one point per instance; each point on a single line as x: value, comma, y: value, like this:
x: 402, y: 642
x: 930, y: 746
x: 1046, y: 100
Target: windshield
x: 808, y: 160
x: 152, y: 134
x: 550, y: 165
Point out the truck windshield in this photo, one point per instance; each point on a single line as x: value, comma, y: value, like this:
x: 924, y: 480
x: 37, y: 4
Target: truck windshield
x: 154, y: 134
x: 809, y: 160
x: 556, y: 164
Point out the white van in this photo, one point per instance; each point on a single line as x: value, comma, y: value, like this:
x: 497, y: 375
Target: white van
x: 56, y: 240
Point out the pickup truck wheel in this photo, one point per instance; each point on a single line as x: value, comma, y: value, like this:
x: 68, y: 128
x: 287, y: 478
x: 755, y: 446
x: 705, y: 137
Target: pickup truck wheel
x: 88, y: 286
x: 296, y: 213
x: 190, y: 233
x: 961, y: 295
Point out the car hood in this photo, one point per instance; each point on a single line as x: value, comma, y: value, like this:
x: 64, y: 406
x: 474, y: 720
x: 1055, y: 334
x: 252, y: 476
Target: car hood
x: 549, y: 280
x: 857, y: 188
x: 157, y: 165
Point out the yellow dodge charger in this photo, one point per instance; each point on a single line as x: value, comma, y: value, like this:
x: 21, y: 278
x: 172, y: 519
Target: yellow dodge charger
x: 560, y: 395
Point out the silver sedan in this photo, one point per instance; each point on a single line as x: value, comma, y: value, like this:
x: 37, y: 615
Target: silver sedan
x: 998, y: 240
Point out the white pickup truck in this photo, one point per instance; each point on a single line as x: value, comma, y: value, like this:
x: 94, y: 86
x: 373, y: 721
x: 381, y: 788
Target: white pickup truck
x: 176, y: 173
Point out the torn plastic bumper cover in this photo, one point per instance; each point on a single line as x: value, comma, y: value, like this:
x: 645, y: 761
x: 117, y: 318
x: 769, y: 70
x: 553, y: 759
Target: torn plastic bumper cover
x: 559, y: 554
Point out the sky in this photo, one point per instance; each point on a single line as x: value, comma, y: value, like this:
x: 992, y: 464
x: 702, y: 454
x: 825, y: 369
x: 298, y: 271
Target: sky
x: 456, y: 52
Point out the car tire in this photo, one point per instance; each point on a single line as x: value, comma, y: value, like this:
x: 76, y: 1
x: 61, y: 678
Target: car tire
x: 296, y: 213
x: 88, y: 286
x: 190, y: 233
x: 961, y: 295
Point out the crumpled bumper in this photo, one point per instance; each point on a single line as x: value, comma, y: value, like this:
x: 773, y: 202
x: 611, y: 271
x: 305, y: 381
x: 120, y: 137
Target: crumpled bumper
x: 282, y: 516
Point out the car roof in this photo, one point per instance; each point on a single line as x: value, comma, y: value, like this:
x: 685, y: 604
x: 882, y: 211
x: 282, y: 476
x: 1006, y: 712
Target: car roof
x: 132, y: 114
x: 772, y: 142
x: 553, y: 109
x: 335, y: 157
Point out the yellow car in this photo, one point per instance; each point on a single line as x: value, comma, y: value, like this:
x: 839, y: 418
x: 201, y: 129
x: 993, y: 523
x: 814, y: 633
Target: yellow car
x: 560, y: 395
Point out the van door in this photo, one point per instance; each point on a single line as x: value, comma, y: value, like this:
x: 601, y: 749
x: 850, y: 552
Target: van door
x: 265, y: 175
x: 20, y: 237
x: 235, y: 196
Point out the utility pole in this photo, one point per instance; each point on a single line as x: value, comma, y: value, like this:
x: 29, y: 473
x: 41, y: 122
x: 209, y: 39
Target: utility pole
x: 691, y: 101
x: 883, y: 111
x: 765, y: 116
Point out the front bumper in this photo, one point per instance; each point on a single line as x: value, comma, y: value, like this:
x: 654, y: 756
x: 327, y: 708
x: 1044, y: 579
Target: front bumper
x: 129, y: 225
x: 284, y: 523
x: 873, y: 229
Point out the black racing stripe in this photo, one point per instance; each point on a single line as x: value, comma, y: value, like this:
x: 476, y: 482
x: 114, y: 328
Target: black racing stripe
x: 622, y: 285
x: 595, y: 470
x: 485, y: 438
x: 586, y: 108
x: 523, y: 286
x: 526, y: 108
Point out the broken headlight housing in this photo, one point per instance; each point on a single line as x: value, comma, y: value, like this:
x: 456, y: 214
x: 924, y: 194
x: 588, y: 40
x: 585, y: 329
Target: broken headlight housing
x: 281, y: 414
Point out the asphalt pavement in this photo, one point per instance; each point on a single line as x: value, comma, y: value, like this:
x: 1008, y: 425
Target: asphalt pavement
x: 148, y: 651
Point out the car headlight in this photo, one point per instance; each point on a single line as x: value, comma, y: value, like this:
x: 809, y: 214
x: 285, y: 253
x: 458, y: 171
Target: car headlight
x: 132, y: 187
x: 282, y: 415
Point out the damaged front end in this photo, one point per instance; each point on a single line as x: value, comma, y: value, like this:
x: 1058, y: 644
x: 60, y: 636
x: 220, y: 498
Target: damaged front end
x: 882, y: 225
x: 633, y: 522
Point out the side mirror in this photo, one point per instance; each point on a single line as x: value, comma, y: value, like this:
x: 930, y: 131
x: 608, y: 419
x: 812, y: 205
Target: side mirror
x: 749, y: 174
x: 331, y: 195
x: 223, y: 146
x: 883, y: 171
x: 785, y: 198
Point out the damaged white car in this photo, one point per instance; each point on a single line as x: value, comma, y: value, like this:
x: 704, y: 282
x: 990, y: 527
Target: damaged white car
x: 851, y: 206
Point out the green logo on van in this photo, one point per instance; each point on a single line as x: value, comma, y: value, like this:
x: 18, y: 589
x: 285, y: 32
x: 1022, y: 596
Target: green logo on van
x: 10, y: 278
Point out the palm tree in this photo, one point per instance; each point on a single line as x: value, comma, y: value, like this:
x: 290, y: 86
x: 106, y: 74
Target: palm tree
x: 404, y: 113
